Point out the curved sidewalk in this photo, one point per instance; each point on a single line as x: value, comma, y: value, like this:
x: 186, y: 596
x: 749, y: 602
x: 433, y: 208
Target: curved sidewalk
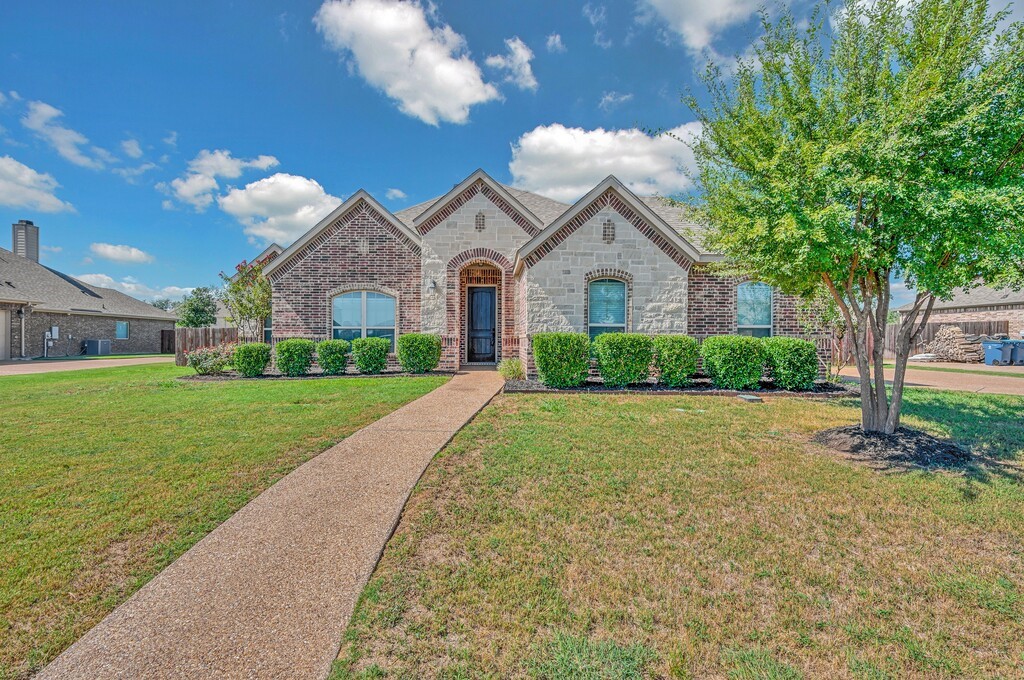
x: 268, y: 593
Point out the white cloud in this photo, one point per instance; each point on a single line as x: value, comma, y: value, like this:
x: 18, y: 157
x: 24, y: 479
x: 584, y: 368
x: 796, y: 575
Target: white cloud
x: 555, y: 44
x: 611, y: 100
x: 196, y: 187
x: 132, y: 148
x: 565, y: 163
x: 172, y: 138
x: 131, y: 286
x: 517, y: 63
x: 697, y: 22
x: 598, y: 18
x: 120, y: 253
x: 41, y: 118
x: 418, y: 62
x: 395, y: 194
x: 279, y: 208
x: 131, y: 174
x: 23, y: 187
x: 50, y: 249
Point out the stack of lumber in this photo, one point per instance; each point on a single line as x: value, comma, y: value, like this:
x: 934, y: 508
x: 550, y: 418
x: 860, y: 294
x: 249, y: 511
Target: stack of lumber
x: 952, y: 344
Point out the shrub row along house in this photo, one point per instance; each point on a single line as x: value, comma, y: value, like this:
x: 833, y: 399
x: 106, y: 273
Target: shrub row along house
x: 45, y: 312
x: 486, y: 266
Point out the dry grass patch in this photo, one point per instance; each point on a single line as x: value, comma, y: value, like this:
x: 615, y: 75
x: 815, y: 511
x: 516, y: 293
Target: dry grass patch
x: 628, y: 536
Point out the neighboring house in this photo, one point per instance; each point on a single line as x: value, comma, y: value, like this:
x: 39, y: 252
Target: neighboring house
x: 36, y: 300
x: 486, y: 266
x: 224, y: 319
x: 980, y: 304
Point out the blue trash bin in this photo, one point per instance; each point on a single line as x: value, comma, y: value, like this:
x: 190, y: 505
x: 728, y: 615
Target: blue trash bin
x: 998, y: 352
x: 1017, y: 356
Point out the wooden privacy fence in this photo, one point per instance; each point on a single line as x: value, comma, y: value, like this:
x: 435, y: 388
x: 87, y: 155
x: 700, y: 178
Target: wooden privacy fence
x: 188, y: 339
x: 928, y: 335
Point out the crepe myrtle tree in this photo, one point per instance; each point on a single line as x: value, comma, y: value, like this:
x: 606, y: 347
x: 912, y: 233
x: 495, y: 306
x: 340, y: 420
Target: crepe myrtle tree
x: 884, y: 139
x: 247, y: 296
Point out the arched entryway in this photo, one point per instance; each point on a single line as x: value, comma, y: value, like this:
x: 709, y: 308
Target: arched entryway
x: 481, y: 317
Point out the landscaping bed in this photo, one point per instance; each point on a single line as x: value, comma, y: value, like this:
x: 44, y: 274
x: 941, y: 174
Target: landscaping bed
x: 904, y: 448
x: 314, y: 374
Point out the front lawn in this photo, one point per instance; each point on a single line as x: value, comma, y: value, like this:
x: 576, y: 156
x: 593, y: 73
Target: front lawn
x: 107, y: 475
x: 601, y: 536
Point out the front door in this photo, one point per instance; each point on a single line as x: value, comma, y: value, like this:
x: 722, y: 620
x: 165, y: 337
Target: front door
x: 481, y: 324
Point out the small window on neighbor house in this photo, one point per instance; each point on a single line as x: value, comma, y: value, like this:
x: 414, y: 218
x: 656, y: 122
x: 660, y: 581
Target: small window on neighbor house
x: 608, y: 231
x: 268, y: 328
x: 606, y: 303
x: 481, y: 221
x: 364, y: 314
x: 754, y: 309
x: 121, y: 330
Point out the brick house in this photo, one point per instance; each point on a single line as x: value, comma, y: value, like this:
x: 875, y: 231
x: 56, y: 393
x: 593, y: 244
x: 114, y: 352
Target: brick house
x: 486, y: 266
x: 35, y: 300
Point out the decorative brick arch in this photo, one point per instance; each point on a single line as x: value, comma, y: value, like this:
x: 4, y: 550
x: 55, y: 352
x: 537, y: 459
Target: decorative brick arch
x: 371, y: 287
x: 507, y: 341
x: 479, y: 187
x: 608, y: 273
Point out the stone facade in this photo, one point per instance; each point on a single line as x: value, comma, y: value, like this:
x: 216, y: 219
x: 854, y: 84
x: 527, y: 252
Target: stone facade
x: 74, y: 329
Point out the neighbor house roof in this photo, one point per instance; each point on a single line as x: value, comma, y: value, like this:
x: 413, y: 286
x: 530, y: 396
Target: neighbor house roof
x: 981, y: 296
x: 26, y: 281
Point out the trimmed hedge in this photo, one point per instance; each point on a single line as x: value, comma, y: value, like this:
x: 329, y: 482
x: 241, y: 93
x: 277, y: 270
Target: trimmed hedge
x: 563, y: 359
x: 294, y: 356
x: 251, y: 359
x: 419, y: 352
x: 675, y: 357
x: 623, y: 358
x: 332, y: 355
x: 792, y: 362
x: 734, y: 362
x: 370, y: 355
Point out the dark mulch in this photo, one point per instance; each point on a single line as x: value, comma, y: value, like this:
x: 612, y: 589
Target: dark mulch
x: 313, y: 375
x: 906, y: 448
x: 701, y: 385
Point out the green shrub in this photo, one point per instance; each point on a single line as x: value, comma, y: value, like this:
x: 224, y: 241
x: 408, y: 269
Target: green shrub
x: 623, y: 358
x: 563, y: 359
x: 294, y: 356
x: 419, y: 352
x: 251, y: 359
x: 511, y: 369
x: 792, y: 362
x: 734, y: 362
x: 332, y: 355
x: 211, y: 360
x: 675, y: 357
x: 370, y: 355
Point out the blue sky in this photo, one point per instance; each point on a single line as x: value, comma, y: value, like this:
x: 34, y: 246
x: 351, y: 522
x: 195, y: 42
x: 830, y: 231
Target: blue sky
x: 157, y: 144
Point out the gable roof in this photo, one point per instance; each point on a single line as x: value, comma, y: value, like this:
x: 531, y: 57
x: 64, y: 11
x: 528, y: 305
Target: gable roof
x: 668, y: 220
x: 982, y: 296
x: 348, y: 205
x: 422, y: 222
x: 25, y: 281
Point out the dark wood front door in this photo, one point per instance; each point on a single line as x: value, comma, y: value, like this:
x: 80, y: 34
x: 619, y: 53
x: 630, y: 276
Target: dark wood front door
x: 481, y: 324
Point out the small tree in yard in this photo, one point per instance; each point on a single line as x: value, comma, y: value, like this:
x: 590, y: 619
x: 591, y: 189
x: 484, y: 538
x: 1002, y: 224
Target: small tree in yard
x: 247, y: 296
x: 198, y: 309
x: 891, y: 147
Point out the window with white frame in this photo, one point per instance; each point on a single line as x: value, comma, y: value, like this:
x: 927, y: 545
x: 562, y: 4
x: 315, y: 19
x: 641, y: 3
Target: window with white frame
x: 606, y: 303
x: 364, y: 314
x: 121, y: 330
x: 754, y: 309
x: 268, y: 329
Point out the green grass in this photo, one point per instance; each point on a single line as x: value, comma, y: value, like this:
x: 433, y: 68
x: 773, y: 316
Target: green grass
x: 80, y: 357
x: 916, y: 366
x: 107, y: 475
x: 613, y: 536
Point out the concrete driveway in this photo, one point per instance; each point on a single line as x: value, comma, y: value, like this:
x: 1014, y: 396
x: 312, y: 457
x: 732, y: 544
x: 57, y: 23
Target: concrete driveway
x: 960, y: 382
x: 49, y: 366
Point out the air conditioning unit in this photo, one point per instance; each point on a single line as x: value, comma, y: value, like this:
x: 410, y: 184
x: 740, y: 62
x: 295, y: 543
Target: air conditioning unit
x: 97, y: 347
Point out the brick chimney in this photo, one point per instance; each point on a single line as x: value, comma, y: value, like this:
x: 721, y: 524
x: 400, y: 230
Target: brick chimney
x: 25, y: 240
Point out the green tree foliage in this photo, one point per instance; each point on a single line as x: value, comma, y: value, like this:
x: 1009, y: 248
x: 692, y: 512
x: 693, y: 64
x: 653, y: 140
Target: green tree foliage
x: 247, y: 296
x: 198, y: 309
x: 891, y: 145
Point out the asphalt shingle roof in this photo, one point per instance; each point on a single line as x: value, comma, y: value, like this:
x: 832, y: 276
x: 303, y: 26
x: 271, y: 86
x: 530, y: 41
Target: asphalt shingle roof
x: 982, y: 296
x: 24, y: 280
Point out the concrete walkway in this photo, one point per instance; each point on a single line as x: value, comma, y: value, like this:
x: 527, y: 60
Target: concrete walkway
x: 268, y: 593
x: 959, y: 382
x: 49, y: 366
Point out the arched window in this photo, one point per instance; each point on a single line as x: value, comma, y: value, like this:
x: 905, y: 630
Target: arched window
x: 754, y: 309
x: 606, y: 303
x: 364, y: 314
